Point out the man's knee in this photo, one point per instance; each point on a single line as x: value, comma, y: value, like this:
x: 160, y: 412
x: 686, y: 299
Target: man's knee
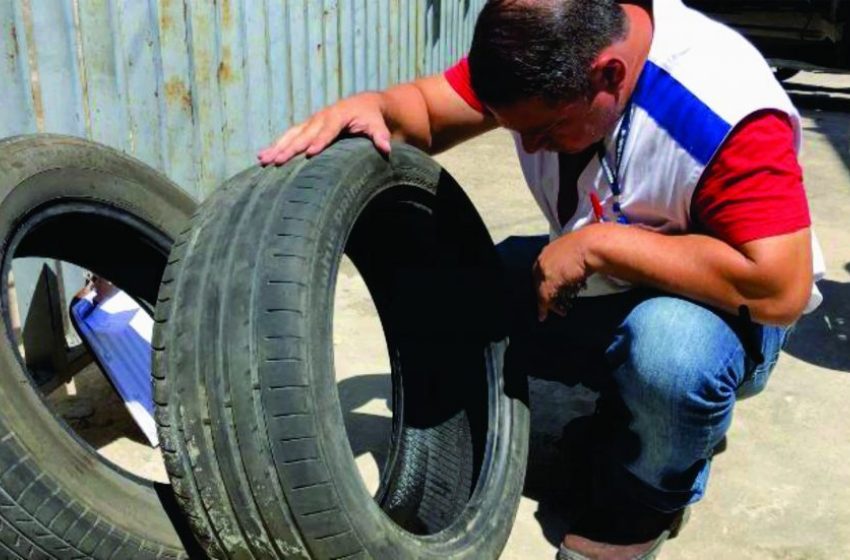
x: 672, y: 351
x: 518, y: 253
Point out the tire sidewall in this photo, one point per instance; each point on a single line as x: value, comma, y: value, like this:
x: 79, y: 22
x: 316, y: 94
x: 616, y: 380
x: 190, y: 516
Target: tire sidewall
x: 46, y: 169
x: 371, y: 176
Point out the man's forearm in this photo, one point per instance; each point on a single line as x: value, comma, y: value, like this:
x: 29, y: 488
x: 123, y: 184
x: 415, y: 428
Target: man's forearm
x: 431, y: 115
x: 774, y: 281
x: 406, y: 114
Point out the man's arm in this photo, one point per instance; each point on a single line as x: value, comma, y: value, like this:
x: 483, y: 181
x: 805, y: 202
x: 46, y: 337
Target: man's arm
x: 771, y: 276
x: 756, y: 251
x: 427, y: 113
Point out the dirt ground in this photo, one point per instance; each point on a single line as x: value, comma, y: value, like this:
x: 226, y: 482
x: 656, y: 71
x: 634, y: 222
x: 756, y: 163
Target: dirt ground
x: 782, y: 488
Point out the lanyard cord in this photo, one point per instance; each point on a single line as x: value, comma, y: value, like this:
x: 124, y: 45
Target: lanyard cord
x: 613, y: 174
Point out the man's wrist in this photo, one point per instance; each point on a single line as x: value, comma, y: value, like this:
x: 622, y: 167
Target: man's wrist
x: 594, y: 239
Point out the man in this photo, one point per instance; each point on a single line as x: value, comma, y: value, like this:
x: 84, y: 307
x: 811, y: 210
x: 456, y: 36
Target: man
x: 663, y: 153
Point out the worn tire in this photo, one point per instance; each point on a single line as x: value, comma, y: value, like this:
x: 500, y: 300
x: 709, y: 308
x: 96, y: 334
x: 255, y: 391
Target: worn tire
x: 58, y: 497
x: 248, y: 407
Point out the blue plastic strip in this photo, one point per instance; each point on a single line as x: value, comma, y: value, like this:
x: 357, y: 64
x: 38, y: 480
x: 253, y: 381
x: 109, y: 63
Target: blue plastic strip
x: 694, y: 126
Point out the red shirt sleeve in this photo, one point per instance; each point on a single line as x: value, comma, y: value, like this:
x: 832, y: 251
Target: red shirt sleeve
x: 459, y: 78
x: 754, y: 186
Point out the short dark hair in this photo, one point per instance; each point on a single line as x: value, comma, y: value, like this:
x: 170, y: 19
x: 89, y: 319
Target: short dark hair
x: 523, y: 49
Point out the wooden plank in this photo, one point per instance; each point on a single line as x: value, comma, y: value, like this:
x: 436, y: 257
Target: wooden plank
x: 55, y: 37
x: 16, y: 91
x: 103, y: 85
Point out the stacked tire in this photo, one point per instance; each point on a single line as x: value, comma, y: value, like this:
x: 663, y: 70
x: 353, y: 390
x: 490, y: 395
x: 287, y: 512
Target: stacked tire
x: 63, y: 198
x: 244, y: 378
x: 254, y: 436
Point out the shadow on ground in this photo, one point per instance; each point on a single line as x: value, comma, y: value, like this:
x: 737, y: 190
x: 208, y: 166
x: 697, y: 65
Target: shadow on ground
x: 822, y: 338
x: 96, y: 413
x: 367, y: 432
x: 557, y: 475
x: 555, y: 463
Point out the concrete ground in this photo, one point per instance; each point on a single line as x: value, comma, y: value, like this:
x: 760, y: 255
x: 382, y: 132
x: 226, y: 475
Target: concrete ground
x: 782, y: 488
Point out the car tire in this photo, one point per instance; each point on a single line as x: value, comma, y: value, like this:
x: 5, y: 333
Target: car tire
x: 249, y: 414
x: 783, y: 74
x: 65, y: 198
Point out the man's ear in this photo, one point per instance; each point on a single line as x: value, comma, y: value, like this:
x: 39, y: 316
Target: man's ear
x: 608, y: 74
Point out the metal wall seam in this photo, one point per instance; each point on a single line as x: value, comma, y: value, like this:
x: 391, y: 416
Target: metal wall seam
x: 315, y: 59
x: 16, y: 89
x: 383, y: 45
x: 361, y: 58
x: 233, y: 86
x: 257, y: 113
x: 104, y: 84
x: 138, y: 39
x: 177, y: 104
x: 205, y: 47
x: 330, y: 28
x: 278, y: 69
x: 55, y: 42
x: 299, y: 75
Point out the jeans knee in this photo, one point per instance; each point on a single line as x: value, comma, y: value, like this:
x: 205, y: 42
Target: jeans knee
x: 675, y: 352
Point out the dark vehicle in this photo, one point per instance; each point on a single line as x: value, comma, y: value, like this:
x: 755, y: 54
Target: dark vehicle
x: 792, y: 34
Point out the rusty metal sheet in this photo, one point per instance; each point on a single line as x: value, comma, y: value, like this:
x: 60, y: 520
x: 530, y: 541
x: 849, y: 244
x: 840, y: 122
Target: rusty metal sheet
x: 196, y: 88
x: 16, y: 89
x: 140, y: 57
x: 180, y: 153
x: 103, y: 67
x: 59, y: 79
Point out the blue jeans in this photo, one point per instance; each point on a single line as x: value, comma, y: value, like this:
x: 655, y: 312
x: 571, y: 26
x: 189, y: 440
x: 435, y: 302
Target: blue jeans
x: 668, y: 371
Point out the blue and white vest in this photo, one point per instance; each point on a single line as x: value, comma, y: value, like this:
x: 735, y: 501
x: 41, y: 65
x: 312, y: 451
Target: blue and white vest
x: 701, y: 80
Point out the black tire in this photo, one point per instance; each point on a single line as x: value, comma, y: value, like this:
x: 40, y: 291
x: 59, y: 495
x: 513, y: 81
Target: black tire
x: 782, y: 74
x: 69, y: 199
x: 249, y: 414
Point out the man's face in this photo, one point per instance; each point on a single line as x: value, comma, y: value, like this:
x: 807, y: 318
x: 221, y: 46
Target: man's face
x: 568, y: 127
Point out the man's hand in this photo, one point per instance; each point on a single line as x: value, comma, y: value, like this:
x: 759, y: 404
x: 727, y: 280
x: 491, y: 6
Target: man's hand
x: 559, y: 272
x: 361, y: 114
x: 426, y: 113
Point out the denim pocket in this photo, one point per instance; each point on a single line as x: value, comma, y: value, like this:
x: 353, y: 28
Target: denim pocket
x: 772, y: 341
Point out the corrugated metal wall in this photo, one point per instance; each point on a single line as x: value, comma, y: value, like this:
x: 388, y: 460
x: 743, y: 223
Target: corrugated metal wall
x: 196, y: 87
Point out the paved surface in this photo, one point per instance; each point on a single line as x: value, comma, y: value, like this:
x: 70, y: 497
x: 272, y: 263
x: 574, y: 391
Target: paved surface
x: 780, y: 491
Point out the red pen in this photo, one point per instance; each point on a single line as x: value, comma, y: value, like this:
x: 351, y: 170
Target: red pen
x: 598, y: 212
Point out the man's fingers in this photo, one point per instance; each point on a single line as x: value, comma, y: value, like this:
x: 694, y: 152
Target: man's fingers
x: 380, y: 135
x: 268, y: 155
x: 542, y: 311
x: 542, y: 304
x: 537, y: 275
x: 323, y: 138
x: 299, y: 143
